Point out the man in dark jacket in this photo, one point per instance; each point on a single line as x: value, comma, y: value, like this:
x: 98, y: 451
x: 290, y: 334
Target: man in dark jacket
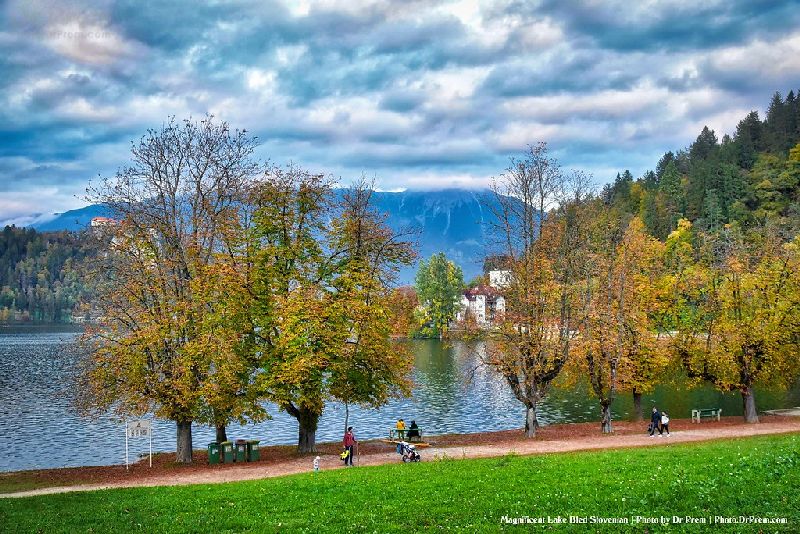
x: 655, y: 423
x: 413, y: 431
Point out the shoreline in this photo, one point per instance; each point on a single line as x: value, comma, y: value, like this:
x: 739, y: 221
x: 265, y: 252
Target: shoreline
x: 282, y: 460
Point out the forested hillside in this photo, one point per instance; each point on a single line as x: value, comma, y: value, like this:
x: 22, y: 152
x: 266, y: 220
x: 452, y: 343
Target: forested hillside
x: 40, y: 274
x: 747, y: 178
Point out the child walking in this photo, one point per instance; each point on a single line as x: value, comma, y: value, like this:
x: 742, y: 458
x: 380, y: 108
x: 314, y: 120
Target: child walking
x: 665, y: 423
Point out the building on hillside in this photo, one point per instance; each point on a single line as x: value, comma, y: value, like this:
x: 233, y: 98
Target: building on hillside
x: 484, y: 304
x: 497, y: 270
x: 98, y: 222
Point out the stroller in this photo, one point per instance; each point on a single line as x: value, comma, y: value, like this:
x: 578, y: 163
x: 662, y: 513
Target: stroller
x: 408, y: 451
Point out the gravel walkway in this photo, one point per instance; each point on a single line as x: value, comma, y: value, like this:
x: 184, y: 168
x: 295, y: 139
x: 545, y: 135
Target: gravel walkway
x: 494, y: 444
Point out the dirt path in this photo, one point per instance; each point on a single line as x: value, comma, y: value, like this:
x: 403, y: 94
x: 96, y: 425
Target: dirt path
x: 559, y: 438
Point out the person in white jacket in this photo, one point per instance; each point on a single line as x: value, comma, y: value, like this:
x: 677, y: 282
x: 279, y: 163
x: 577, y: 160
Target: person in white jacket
x: 665, y: 423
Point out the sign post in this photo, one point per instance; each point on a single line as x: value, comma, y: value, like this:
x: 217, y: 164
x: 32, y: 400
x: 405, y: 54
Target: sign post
x: 138, y: 429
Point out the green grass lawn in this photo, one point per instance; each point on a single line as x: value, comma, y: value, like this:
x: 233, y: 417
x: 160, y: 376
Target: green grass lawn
x: 757, y: 477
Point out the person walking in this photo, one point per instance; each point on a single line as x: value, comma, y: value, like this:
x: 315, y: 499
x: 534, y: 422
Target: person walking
x: 349, y: 443
x: 655, y: 423
x: 665, y: 423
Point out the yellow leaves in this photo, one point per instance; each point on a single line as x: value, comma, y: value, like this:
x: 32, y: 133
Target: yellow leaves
x: 624, y: 293
x: 744, y: 328
x: 792, y: 248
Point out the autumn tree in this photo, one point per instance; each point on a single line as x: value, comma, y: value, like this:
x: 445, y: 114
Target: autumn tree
x: 402, y: 304
x: 174, y: 201
x: 370, y: 368
x: 537, y: 209
x: 617, y: 343
x: 290, y: 304
x: 645, y: 348
x: 748, y: 328
x: 439, y: 283
x: 320, y: 298
x: 223, y: 289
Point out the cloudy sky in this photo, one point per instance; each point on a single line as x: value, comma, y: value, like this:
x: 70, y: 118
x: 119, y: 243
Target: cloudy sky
x: 427, y: 94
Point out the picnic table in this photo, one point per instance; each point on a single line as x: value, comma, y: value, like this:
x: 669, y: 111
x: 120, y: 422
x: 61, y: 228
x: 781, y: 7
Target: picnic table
x: 706, y: 412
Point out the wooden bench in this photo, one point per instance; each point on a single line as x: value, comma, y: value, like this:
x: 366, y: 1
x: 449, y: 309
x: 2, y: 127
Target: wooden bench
x: 394, y: 434
x: 706, y: 412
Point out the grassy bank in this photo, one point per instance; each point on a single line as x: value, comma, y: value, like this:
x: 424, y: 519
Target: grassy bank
x: 757, y: 477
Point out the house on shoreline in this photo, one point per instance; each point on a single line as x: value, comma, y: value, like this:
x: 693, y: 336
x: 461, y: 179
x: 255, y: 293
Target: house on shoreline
x: 485, y: 304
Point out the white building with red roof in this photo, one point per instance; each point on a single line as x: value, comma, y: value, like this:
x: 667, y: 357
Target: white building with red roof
x: 483, y: 303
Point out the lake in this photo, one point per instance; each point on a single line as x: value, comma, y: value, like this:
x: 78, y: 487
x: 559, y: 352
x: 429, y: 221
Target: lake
x: 39, y: 430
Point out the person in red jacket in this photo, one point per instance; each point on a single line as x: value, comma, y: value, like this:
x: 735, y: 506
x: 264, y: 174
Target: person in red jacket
x: 349, y: 442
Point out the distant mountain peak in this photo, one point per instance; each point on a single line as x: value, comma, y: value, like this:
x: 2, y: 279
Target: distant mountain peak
x: 451, y: 220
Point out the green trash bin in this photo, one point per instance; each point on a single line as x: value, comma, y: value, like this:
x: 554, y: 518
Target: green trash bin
x: 227, y: 452
x: 241, y: 450
x: 213, y: 453
x: 253, y: 453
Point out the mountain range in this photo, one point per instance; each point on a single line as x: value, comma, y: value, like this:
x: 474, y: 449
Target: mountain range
x: 453, y: 221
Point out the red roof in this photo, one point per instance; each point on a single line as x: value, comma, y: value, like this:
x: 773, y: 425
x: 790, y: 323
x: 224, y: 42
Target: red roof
x: 487, y: 291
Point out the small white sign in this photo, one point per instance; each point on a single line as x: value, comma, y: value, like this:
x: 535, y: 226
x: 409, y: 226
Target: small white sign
x: 139, y: 429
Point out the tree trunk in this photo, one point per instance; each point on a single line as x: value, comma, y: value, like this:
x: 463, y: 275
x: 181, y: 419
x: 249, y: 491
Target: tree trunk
x: 749, y: 401
x: 637, y: 406
x: 222, y: 434
x: 183, y: 449
x: 605, y: 421
x: 346, y: 416
x: 307, y: 438
x: 531, y: 422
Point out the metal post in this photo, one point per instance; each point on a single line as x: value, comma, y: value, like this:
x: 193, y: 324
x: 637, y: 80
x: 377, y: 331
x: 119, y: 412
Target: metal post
x: 126, y: 446
x: 151, y: 446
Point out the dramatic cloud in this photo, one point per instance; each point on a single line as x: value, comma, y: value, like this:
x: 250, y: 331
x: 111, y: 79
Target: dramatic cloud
x: 419, y: 94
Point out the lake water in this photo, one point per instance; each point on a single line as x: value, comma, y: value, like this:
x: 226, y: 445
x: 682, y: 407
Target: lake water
x: 39, y: 430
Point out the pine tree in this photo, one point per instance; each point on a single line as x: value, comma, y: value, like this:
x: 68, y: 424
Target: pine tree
x: 713, y: 216
x: 749, y: 139
x: 793, y: 136
x: 672, y: 205
x: 705, y: 145
x: 648, y: 212
x: 661, y: 167
x: 650, y: 180
x: 778, y: 126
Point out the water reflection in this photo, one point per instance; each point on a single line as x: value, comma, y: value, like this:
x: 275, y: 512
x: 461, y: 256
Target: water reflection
x: 452, y: 393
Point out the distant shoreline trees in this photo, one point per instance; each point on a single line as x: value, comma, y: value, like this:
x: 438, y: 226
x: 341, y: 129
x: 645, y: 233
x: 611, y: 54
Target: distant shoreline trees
x: 439, y: 283
x: 42, y: 275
